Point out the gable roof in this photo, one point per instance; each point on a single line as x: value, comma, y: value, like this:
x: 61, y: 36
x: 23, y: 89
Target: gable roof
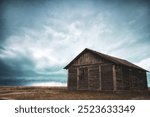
x: 107, y: 57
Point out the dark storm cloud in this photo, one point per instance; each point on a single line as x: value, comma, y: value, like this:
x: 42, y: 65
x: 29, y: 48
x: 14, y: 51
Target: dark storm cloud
x: 2, y: 23
x: 4, y: 69
x: 2, y: 48
x: 16, y: 67
x: 15, y: 14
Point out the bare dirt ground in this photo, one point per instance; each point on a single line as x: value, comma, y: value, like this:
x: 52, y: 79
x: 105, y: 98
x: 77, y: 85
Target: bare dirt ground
x: 61, y: 93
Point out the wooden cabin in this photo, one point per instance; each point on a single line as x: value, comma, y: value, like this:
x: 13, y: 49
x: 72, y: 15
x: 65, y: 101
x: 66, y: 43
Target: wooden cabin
x: 92, y: 70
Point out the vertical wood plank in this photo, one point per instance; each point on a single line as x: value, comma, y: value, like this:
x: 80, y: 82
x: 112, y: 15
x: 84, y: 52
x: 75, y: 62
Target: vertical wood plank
x: 77, y: 78
x: 88, y: 79
x: 114, y: 78
x: 68, y: 80
x: 100, y: 78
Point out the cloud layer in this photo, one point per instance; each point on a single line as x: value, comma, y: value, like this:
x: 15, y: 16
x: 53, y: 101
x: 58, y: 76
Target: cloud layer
x: 42, y: 37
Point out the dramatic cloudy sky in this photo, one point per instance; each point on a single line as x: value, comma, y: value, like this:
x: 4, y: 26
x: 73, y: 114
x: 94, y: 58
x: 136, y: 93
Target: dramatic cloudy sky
x: 42, y: 36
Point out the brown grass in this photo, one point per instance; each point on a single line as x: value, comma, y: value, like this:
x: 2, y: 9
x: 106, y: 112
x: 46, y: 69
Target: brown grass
x: 61, y: 93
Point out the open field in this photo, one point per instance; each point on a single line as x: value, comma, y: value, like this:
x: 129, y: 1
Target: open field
x: 61, y: 93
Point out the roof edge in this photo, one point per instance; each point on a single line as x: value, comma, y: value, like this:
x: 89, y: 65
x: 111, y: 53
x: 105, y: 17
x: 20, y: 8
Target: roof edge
x: 108, y: 57
x: 66, y: 67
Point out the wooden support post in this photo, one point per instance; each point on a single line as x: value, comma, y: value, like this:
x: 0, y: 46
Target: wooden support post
x: 114, y: 78
x: 68, y: 80
x: 100, y: 78
x: 88, y: 79
x: 77, y: 78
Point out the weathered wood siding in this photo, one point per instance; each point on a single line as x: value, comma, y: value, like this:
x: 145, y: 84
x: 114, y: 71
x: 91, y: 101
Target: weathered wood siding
x: 138, y: 80
x: 126, y: 78
x: 143, y: 80
x: 92, y: 73
x: 72, y: 78
x: 119, y: 77
x: 88, y: 58
x: 133, y: 79
x: 94, y: 77
x: 107, y: 77
x: 82, y: 78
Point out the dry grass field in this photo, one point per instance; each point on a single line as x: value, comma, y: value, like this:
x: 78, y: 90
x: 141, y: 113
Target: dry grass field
x: 61, y: 93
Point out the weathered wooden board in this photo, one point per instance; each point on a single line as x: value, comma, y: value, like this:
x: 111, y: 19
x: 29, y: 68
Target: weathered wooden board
x: 72, y: 78
x: 126, y: 78
x: 93, y: 77
x: 106, y: 77
x: 88, y: 58
x: 119, y: 78
x: 83, y: 78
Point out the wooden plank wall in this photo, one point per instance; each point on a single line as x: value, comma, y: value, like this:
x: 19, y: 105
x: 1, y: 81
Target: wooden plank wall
x: 139, y: 80
x: 119, y: 77
x: 88, y: 58
x: 82, y: 78
x: 126, y: 78
x: 144, y: 76
x: 107, y: 77
x: 72, y: 78
x: 134, y: 79
x: 93, y: 77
